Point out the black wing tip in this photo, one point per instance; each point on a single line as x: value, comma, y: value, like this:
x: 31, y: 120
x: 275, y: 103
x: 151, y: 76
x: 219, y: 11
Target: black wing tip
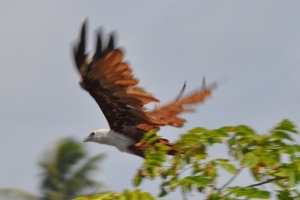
x: 79, y: 49
x: 102, y: 50
x: 111, y: 42
x: 83, y: 30
x: 98, y: 48
x: 215, y: 84
x: 99, y: 41
x: 180, y: 94
x: 85, y: 22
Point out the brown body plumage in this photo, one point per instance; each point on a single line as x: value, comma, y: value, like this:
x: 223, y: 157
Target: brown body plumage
x: 109, y: 80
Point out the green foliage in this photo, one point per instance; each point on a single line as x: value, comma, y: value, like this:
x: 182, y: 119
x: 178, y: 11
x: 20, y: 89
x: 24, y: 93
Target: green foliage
x: 126, y: 195
x: 272, y: 158
x: 65, y: 173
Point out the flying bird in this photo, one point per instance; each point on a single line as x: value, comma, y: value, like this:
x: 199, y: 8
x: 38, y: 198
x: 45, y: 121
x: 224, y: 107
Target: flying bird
x: 110, y: 81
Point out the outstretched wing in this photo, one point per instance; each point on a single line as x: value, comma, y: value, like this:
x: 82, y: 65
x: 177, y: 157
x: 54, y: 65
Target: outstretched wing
x: 110, y: 81
x: 168, y: 113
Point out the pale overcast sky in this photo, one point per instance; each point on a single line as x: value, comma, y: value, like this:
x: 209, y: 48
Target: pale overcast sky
x: 254, y: 44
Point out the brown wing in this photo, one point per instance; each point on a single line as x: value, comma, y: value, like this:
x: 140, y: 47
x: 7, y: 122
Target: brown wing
x: 168, y: 114
x: 110, y: 81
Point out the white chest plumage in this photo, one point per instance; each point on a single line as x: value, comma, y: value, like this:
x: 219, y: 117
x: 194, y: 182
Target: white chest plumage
x: 112, y: 138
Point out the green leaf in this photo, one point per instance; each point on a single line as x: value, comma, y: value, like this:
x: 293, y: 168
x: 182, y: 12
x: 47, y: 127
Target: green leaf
x: 154, y: 163
x: 282, y: 135
x: 250, y: 160
x: 286, y: 125
x: 250, y: 192
x: 150, y: 140
x: 221, y: 133
x: 284, y: 195
x: 283, y: 172
x: 214, y: 196
x: 149, y: 135
x: 137, y: 179
x: 244, y: 130
x: 197, y: 180
x: 187, y: 159
x: 290, y: 149
x: 228, y: 129
x: 229, y: 167
x: 163, y: 193
x: 292, y: 178
x: 197, y: 130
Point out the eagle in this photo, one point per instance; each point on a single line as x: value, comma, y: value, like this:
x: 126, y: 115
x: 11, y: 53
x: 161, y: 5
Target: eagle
x: 110, y: 81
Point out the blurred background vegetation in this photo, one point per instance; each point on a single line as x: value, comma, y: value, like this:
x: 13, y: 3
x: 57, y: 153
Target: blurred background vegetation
x: 66, y: 172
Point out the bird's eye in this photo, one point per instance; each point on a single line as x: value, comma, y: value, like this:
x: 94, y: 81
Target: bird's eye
x: 92, y: 134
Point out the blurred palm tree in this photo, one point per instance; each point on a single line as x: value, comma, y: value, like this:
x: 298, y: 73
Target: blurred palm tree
x: 66, y: 173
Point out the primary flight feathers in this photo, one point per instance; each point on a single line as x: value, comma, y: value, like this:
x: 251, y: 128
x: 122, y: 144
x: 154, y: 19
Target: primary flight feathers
x: 110, y: 81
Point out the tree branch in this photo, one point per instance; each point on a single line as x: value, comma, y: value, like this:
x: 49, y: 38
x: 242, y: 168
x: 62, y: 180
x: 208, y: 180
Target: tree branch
x: 266, y: 181
x: 184, y: 196
x: 231, y: 179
